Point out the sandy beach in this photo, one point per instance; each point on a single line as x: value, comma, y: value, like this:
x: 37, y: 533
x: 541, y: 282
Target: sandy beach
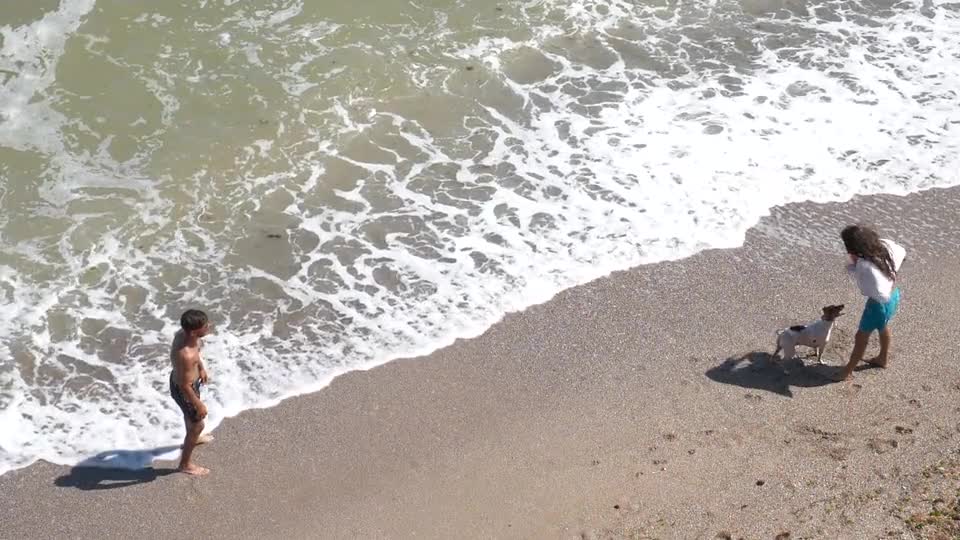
x: 641, y: 405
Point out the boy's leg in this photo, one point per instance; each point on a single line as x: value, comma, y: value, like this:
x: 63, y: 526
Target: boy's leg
x: 189, y: 443
x: 860, y: 342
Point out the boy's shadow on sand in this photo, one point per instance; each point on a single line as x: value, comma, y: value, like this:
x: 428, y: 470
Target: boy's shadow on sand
x: 762, y: 371
x: 116, y: 469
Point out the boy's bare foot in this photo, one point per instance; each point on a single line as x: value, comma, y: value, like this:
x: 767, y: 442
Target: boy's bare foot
x: 194, y: 470
x: 879, y: 362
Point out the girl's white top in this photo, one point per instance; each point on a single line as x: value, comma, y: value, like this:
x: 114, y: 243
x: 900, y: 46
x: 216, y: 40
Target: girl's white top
x: 872, y: 282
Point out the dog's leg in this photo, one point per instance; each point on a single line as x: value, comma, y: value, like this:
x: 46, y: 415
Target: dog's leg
x: 820, y: 354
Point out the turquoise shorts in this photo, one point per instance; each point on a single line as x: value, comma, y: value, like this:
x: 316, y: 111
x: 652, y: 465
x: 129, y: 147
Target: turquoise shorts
x: 876, y: 316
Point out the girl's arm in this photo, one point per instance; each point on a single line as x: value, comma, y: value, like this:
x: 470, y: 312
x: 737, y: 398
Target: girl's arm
x: 869, y: 280
x: 852, y: 266
x: 897, y: 253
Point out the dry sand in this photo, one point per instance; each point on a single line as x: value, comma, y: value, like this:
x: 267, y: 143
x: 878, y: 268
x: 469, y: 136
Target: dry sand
x: 642, y: 405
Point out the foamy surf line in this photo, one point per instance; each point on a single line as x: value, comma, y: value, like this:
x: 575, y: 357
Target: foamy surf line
x: 583, y: 161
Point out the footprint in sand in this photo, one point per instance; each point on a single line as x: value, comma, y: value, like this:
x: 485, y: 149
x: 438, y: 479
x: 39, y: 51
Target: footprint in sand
x: 752, y: 397
x: 852, y: 389
x: 824, y: 435
x: 882, y: 446
x: 915, y: 402
x: 903, y: 430
x: 839, y: 453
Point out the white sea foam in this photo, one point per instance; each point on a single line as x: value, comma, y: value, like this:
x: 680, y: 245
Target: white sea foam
x: 599, y: 140
x: 30, y: 53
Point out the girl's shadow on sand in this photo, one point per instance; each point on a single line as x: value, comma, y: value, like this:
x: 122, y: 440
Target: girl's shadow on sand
x: 762, y: 371
x: 116, y: 469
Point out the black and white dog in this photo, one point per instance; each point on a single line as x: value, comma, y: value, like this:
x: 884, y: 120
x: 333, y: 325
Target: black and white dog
x: 815, y: 335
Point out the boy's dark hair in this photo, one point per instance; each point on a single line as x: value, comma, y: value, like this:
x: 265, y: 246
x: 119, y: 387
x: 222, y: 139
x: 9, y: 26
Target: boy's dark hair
x: 193, y: 319
x: 864, y: 242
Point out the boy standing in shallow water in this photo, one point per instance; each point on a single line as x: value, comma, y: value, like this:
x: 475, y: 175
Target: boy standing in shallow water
x: 187, y: 375
x: 874, y: 263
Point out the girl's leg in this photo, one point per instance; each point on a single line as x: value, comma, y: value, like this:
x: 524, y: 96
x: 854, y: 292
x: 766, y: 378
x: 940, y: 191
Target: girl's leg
x: 885, y: 337
x: 859, y: 347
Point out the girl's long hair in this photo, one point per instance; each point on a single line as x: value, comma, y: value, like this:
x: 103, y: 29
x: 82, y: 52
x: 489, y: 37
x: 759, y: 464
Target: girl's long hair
x: 865, y: 243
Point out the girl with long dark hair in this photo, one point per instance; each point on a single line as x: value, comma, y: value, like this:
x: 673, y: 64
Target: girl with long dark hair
x: 874, y: 263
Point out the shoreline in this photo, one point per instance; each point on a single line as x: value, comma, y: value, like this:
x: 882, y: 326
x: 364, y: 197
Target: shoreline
x: 588, y: 415
x: 470, y: 333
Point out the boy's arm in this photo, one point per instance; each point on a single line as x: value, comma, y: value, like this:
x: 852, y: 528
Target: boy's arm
x: 203, y: 370
x: 200, y: 366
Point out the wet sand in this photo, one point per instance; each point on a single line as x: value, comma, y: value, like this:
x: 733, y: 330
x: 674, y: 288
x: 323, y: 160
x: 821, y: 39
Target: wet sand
x: 641, y: 405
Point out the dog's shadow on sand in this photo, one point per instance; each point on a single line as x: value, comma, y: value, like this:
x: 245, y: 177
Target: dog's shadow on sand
x: 116, y: 469
x: 763, y: 371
